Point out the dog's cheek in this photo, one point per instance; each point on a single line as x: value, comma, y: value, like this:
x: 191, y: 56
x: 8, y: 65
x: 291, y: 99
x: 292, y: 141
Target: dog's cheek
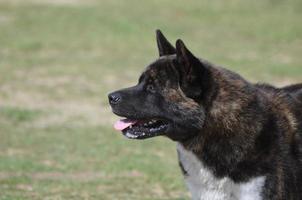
x: 150, y: 104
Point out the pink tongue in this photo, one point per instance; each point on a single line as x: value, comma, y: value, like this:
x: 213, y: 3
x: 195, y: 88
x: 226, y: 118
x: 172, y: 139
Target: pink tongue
x: 124, y: 123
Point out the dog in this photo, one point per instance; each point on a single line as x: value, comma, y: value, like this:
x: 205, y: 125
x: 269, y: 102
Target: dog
x: 235, y: 140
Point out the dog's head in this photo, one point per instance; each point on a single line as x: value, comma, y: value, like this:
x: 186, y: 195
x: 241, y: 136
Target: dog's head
x: 170, y: 97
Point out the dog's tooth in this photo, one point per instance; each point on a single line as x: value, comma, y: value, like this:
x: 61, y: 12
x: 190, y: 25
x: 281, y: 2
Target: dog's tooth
x: 130, y: 126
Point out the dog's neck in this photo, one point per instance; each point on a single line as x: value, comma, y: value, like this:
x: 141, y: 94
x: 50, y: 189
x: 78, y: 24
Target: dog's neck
x: 227, y: 138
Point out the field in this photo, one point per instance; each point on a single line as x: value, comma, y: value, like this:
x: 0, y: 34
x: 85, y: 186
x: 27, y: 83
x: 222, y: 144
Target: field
x: 59, y: 59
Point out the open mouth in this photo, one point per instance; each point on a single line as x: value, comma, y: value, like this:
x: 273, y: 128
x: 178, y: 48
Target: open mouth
x: 141, y: 129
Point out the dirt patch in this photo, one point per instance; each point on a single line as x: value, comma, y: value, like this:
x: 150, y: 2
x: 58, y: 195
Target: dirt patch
x: 4, y: 19
x: 24, y: 187
x: 11, y: 152
x: 50, y: 2
x: 284, y: 82
x: 74, y: 111
x: 77, y: 176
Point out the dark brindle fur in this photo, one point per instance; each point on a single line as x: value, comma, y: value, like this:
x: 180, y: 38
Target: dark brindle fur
x: 237, y: 129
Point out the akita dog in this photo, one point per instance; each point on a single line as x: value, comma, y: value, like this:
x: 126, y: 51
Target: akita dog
x: 235, y: 140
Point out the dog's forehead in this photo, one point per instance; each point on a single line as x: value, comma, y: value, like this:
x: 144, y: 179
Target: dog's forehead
x: 159, y: 66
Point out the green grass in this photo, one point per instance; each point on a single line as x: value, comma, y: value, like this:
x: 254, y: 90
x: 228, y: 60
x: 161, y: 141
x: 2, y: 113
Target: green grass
x: 59, y: 59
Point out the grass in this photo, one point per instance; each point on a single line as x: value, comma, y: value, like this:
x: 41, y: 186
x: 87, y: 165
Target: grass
x: 59, y: 59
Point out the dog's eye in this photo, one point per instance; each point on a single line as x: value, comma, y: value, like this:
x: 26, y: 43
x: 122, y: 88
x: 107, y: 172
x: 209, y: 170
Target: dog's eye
x: 150, y: 88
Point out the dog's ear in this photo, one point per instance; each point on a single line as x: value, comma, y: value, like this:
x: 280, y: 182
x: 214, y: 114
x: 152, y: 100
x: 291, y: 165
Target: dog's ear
x: 164, y: 46
x: 192, y: 70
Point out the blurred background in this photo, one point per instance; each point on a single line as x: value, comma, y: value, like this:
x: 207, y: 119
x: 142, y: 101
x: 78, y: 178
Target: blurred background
x: 60, y: 58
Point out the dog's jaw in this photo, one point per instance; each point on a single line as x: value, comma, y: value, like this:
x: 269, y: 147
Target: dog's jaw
x: 142, y: 129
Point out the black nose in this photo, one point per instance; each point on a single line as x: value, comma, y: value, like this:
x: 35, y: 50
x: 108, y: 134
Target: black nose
x: 114, y: 98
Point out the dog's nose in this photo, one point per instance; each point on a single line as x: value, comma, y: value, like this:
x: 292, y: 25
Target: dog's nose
x: 114, y: 98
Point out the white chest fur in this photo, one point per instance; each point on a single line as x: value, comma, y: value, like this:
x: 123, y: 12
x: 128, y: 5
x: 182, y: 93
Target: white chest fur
x: 203, y: 185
